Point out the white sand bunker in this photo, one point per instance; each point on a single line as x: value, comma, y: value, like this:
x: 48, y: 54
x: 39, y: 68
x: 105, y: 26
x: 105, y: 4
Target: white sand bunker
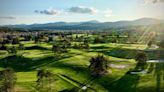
x: 118, y: 66
x: 155, y: 61
x: 141, y: 72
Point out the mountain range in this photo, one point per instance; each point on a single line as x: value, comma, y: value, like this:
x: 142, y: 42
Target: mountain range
x: 89, y: 25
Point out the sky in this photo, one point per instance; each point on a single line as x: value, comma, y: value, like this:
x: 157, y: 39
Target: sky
x: 46, y: 11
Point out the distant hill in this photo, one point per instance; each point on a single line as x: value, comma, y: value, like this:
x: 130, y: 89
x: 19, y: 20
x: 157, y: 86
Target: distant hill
x: 89, y: 25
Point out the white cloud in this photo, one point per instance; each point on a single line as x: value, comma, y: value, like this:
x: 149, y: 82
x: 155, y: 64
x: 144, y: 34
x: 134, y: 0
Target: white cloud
x: 153, y: 1
x: 108, y: 13
x: 83, y: 10
x: 77, y: 9
x: 50, y: 11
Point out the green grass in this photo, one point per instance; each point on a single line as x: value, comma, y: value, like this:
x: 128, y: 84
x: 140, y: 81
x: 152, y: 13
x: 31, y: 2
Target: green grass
x: 74, y: 64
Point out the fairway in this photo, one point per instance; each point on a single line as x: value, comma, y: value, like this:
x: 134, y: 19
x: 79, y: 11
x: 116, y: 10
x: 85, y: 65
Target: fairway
x: 71, y: 69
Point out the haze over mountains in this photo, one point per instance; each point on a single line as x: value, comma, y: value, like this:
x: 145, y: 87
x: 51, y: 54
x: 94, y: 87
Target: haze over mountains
x: 89, y: 25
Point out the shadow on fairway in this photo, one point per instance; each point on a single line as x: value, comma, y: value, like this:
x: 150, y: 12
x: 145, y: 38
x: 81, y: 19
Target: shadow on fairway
x: 78, y: 87
x: 115, y: 51
x: 99, y: 47
x: 159, y: 73
x: 157, y: 68
x: 122, y: 52
x: 20, y: 63
x: 127, y: 83
x: 72, y: 67
x: 36, y: 47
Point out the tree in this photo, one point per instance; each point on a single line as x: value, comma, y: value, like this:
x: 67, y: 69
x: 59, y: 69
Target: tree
x: 98, y: 65
x: 6, y: 41
x: 3, y: 47
x: 21, y: 47
x: 8, y: 80
x: 12, y: 50
x: 15, y: 41
x: 66, y: 43
x: 149, y: 44
x: 75, y: 46
x: 56, y: 49
x: 27, y: 37
x: 45, y: 80
x: 37, y: 40
x: 86, y: 46
x: 141, y: 59
x: 99, y: 40
x: 50, y: 38
x: 161, y: 44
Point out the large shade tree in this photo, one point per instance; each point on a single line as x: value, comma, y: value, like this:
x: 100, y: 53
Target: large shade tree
x: 56, y: 49
x: 98, y: 65
x: 15, y: 40
x: 7, y: 80
x: 141, y: 59
x: 45, y: 80
x: 161, y: 44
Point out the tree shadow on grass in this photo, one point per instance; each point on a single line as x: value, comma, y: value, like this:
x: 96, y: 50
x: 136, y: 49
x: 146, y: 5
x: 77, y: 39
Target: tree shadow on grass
x: 127, y: 83
x: 36, y: 48
x: 73, y: 67
x: 20, y: 63
x: 78, y: 87
x: 158, y: 70
x: 159, y: 73
x: 99, y: 47
x: 116, y: 52
x: 79, y: 69
x: 122, y: 52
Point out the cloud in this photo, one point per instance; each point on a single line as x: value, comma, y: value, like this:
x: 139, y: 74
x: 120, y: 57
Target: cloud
x: 7, y: 17
x: 77, y: 9
x: 108, y: 13
x: 50, y: 11
x: 82, y: 10
x: 153, y: 1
